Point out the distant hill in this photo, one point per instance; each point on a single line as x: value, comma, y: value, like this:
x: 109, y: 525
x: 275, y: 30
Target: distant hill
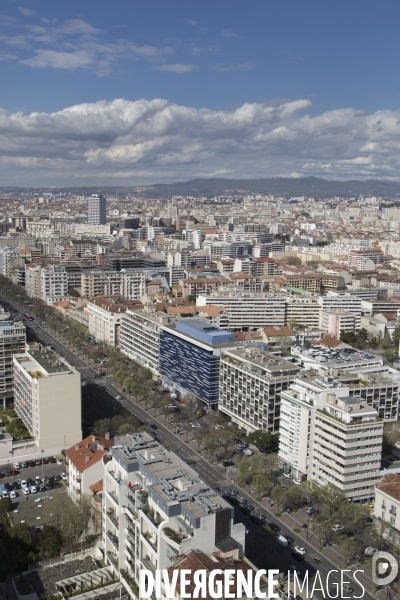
x: 283, y: 186
x: 280, y: 186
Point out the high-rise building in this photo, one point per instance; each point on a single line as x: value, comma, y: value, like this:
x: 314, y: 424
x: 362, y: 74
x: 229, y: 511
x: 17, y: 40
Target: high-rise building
x: 190, y: 353
x: 12, y: 341
x: 251, y: 381
x: 327, y: 436
x: 140, y: 337
x: 97, y: 209
x: 47, y: 397
x: 157, y: 508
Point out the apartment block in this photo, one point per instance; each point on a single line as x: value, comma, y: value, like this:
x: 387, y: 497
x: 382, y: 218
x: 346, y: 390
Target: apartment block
x: 335, y: 322
x: 47, y: 397
x: 157, y: 508
x: 97, y: 209
x: 12, y: 341
x: 105, y: 316
x: 53, y: 283
x: 140, y: 337
x: 302, y: 311
x: 387, y: 505
x: 248, y: 310
x: 330, y: 437
x: 190, y: 352
x: 250, y: 383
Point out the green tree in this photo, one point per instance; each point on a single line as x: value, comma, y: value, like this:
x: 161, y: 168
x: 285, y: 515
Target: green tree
x: 261, y: 483
x: 260, y: 439
x: 102, y: 427
x: 294, y: 497
x: 50, y: 541
x: 278, y: 495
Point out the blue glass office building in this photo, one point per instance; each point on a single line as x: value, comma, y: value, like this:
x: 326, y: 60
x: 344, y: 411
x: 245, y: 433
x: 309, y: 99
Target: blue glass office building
x: 190, y: 354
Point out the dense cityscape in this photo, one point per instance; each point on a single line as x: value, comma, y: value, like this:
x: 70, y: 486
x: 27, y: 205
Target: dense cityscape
x: 195, y: 381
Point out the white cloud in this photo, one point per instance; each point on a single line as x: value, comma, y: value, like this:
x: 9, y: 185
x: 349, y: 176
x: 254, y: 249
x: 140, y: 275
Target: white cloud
x: 26, y: 12
x: 59, y: 60
x: 176, y: 68
x: 231, y: 33
x: 145, y: 141
x: 242, y: 66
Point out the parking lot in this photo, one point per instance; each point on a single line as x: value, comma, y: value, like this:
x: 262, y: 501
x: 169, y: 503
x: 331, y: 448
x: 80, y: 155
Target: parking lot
x: 45, y: 471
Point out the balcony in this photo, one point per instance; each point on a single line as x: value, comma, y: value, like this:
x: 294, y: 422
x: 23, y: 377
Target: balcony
x: 151, y: 539
x: 113, y: 559
x: 113, y: 538
x: 113, y: 518
x: 148, y: 564
x: 392, y: 511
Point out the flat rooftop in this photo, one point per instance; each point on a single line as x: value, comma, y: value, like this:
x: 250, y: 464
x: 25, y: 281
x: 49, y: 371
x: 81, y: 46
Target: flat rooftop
x: 344, y: 356
x: 45, y: 362
x: 263, y: 360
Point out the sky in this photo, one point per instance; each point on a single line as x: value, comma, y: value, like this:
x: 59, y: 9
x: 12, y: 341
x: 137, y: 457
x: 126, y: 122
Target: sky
x: 94, y: 92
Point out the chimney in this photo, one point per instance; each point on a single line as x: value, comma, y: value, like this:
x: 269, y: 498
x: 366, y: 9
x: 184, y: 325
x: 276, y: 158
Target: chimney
x: 107, y: 436
x: 87, y: 458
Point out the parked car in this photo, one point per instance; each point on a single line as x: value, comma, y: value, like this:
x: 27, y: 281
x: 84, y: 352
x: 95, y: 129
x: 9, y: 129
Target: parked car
x: 241, y: 499
x: 38, y: 462
x: 370, y: 551
x: 247, y: 452
x: 64, y: 477
x: 32, y: 463
x: 118, y: 397
x: 289, y: 539
x: 45, y: 461
x: 311, y: 510
x: 13, y: 495
x: 232, y: 492
x: 274, y: 527
x: 57, y: 477
x: 337, y: 527
x: 261, y: 517
x: 196, y: 425
x: 5, y: 494
x: 26, y: 491
x: 33, y: 489
x: 297, y: 556
x: 52, y: 459
x: 16, y: 465
x: 24, y: 465
x: 296, y: 481
x: 300, y: 550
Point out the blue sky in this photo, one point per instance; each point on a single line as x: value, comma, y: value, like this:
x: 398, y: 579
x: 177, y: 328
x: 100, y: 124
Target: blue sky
x: 132, y: 92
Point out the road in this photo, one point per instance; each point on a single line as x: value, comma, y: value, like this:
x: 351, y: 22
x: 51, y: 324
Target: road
x: 212, y: 475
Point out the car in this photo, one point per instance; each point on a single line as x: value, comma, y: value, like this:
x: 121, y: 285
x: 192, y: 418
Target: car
x: 64, y: 477
x: 287, y: 475
x: 241, y: 499
x: 369, y: 551
x: 226, y: 493
x: 274, y: 527
x: 239, y: 447
x: 261, y: 517
x: 289, y: 539
x: 38, y: 462
x: 26, y: 491
x: 284, y: 487
x: 118, y: 397
x: 297, y: 556
x: 30, y: 481
x: 6, y: 473
x: 45, y: 461
x: 311, y: 510
x: 337, y: 527
x: 247, y: 452
x: 49, y: 486
x: 300, y: 550
x: 52, y: 459
x: 16, y: 485
x: 24, y: 465
x: 42, y: 488
x: 233, y: 492
x: 57, y: 477
x: 249, y: 506
x: 32, y: 463
x: 154, y: 426
x: 5, y: 494
x: 196, y: 425
x: 13, y: 495
x: 255, y: 519
x: 24, y: 483
x: 296, y: 481
x: 16, y: 465
x: 33, y: 489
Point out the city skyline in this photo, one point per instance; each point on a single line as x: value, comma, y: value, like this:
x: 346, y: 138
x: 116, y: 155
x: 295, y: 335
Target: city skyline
x: 158, y: 93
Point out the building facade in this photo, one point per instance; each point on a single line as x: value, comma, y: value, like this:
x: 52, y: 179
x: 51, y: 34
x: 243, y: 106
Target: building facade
x: 97, y: 210
x: 140, y: 337
x: 12, y: 341
x: 47, y: 397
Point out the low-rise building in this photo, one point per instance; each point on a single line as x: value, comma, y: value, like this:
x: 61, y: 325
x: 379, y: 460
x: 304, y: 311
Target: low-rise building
x: 84, y: 465
x: 387, y: 505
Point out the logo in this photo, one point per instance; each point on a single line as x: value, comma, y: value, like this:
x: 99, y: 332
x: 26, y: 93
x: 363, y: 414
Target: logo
x: 384, y: 568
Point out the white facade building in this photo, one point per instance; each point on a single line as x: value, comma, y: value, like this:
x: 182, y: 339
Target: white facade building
x: 156, y: 507
x: 47, y: 397
x: 12, y: 341
x: 97, y: 209
x: 53, y: 283
x: 250, y: 383
x: 330, y: 437
x: 140, y: 337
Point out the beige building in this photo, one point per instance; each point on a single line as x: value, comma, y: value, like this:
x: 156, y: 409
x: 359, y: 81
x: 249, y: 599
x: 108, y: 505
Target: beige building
x: 105, y: 315
x: 387, y: 505
x: 12, y: 341
x: 47, y: 397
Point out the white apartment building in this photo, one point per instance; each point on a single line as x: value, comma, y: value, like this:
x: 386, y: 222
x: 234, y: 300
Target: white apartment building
x: 12, y: 341
x: 250, y: 383
x: 7, y: 254
x: 33, y: 280
x: 47, y: 397
x: 302, y: 311
x: 387, y: 505
x: 334, y: 322
x: 345, y: 303
x: 330, y: 437
x: 84, y: 465
x: 247, y: 309
x: 100, y: 282
x: 105, y: 316
x: 53, y: 283
x: 133, y: 284
x: 140, y: 337
x: 156, y: 508
x: 346, y: 359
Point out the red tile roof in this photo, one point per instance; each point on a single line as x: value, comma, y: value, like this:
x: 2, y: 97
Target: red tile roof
x: 88, y: 452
